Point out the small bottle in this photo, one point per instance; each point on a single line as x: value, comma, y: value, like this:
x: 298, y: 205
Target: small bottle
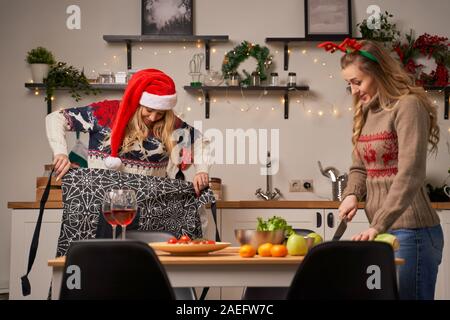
x: 234, y: 79
x: 254, y: 80
x: 274, y: 79
x: 292, y: 79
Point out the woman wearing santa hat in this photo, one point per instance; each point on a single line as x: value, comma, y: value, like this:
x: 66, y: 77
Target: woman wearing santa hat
x: 139, y: 134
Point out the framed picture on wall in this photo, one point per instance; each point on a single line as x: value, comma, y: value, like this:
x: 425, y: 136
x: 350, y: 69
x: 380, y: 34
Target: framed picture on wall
x: 328, y: 19
x: 167, y: 17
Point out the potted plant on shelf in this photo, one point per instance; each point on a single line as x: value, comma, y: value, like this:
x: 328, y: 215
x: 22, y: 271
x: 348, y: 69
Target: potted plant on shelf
x: 63, y: 76
x: 40, y: 60
x: 382, y: 30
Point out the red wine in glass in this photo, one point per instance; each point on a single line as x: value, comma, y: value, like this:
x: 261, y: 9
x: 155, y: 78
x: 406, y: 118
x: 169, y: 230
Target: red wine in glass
x: 124, y: 217
x: 107, y: 212
x: 110, y: 218
x: 124, y: 207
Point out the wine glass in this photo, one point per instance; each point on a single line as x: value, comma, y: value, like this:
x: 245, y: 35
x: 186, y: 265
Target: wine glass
x: 124, y: 206
x: 107, y: 212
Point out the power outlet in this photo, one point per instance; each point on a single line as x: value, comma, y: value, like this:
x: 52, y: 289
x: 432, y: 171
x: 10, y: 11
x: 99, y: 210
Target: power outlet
x: 307, y: 185
x: 295, y: 186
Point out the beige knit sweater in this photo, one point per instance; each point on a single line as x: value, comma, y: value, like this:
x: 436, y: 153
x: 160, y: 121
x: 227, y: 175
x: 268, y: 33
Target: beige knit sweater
x: 389, y: 166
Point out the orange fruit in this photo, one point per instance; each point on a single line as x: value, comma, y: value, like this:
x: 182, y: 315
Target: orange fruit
x: 264, y: 249
x: 247, y: 251
x: 279, y: 250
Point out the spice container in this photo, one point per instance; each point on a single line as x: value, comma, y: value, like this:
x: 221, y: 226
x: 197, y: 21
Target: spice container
x: 106, y: 77
x: 254, y: 79
x: 121, y: 77
x: 233, y: 79
x: 292, y: 79
x: 274, y: 79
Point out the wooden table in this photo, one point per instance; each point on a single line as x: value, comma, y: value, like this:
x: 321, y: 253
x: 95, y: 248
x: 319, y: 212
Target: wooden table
x: 224, y: 268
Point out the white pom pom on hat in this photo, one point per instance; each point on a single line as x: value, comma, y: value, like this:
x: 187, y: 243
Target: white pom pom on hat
x: 112, y: 163
x: 151, y: 88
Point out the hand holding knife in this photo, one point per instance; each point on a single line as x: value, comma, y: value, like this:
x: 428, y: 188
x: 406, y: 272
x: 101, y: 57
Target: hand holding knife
x: 347, y: 211
x: 340, y: 229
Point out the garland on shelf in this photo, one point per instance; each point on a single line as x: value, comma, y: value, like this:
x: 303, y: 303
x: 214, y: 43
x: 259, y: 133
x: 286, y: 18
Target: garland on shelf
x: 235, y: 57
x: 62, y: 75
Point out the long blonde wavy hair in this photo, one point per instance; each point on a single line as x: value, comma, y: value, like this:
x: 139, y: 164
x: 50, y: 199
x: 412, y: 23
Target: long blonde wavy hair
x: 393, y: 83
x: 137, y: 131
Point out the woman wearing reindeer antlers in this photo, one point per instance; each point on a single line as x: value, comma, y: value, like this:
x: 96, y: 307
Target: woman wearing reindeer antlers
x: 393, y: 124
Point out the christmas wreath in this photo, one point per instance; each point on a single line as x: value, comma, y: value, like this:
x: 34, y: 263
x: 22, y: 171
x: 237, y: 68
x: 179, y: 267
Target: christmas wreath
x: 430, y: 47
x: 233, y: 59
x: 425, y: 46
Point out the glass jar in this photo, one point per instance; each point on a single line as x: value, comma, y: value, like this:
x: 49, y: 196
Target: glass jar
x: 106, y: 77
x: 121, y: 77
x: 292, y: 79
x: 213, y: 78
x: 233, y: 80
x: 254, y: 79
x: 274, y: 79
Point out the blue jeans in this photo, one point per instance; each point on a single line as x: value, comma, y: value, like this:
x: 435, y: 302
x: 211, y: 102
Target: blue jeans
x: 422, y: 250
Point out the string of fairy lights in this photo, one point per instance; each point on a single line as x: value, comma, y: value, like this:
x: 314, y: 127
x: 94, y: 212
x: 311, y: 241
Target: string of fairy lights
x: 327, y: 108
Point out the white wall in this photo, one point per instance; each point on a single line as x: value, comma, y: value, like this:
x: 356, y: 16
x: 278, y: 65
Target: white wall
x: 304, y: 139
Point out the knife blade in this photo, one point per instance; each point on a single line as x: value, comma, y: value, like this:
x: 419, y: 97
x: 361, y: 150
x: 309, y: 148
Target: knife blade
x: 340, y: 230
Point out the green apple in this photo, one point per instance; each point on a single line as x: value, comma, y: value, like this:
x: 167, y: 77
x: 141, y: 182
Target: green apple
x: 389, y: 239
x: 317, y: 238
x: 296, y: 245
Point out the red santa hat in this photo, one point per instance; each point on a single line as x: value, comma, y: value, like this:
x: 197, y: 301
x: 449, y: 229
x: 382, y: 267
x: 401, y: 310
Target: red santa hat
x: 150, y: 88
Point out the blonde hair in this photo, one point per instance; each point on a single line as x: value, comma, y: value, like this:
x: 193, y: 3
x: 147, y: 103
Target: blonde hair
x: 137, y: 131
x: 393, y: 83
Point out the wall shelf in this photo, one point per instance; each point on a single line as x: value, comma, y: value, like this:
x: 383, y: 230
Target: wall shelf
x: 99, y: 86
x: 129, y: 39
x: 287, y: 40
x: 205, y: 90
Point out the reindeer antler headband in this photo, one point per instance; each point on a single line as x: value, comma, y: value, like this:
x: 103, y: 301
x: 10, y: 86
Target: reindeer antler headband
x: 348, y: 46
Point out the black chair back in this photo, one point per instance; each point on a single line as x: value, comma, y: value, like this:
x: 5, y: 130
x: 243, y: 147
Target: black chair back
x: 113, y: 269
x: 161, y: 236
x: 346, y: 270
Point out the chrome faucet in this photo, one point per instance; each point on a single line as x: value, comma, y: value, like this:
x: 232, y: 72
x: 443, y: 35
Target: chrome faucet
x: 268, y: 195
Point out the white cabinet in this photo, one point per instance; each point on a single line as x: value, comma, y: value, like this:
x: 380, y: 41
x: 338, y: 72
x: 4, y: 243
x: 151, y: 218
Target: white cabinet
x: 22, y: 228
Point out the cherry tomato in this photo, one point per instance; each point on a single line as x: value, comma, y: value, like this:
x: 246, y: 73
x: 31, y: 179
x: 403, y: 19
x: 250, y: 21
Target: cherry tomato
x: 172, y: 240
x: 210, y: 242
x: 184, y: 239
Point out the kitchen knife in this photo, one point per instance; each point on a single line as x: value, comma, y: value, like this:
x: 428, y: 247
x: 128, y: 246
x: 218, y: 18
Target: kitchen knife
x: 340, y: 229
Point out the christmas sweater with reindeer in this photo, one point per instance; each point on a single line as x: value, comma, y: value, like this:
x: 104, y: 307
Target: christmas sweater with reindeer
x: 389, y: 166
x: 148, y: 158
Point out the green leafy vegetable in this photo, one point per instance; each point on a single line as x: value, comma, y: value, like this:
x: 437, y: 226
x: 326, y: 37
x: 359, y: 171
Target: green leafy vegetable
x: 274, y: 223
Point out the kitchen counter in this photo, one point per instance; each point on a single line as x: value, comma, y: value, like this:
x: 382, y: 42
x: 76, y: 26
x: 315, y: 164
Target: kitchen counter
x: 245, y: 204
